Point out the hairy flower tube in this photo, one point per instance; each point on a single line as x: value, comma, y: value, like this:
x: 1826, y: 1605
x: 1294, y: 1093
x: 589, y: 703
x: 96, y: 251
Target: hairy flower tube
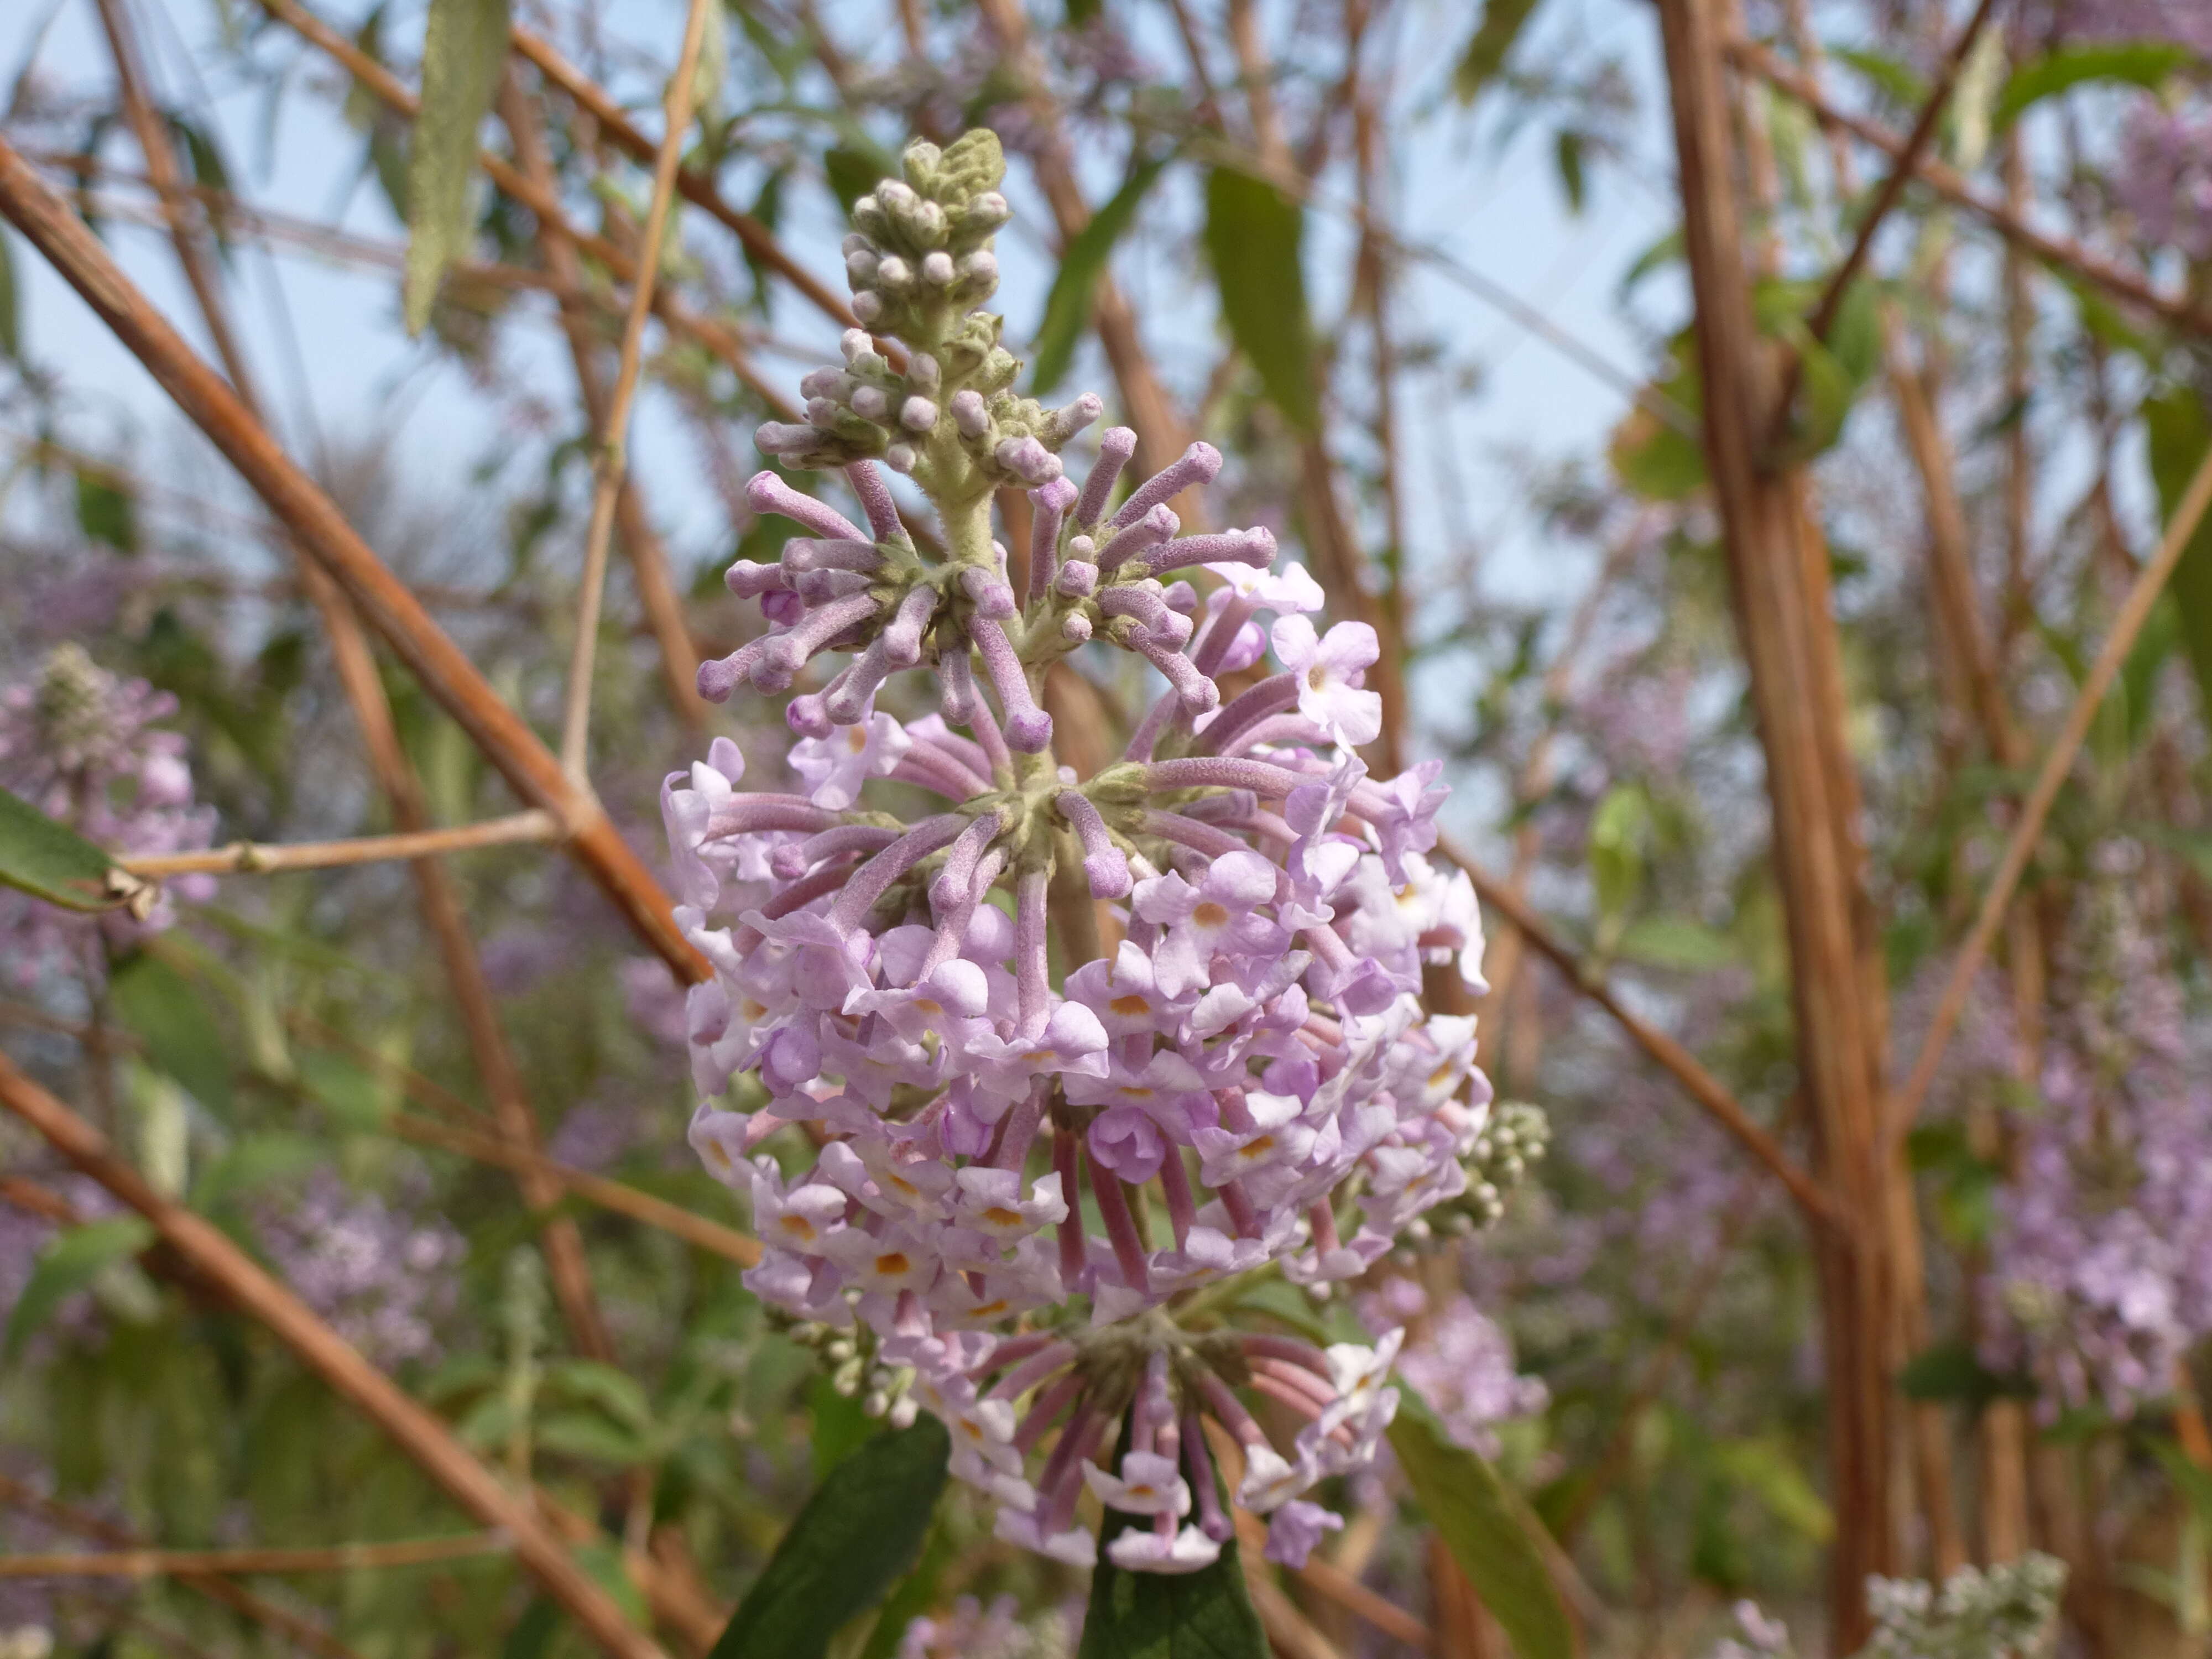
x: 82, y: 745
x: 1028, y: 1138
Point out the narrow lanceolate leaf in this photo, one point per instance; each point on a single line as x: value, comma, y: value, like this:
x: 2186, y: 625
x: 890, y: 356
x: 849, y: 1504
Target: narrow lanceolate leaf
x: 1252, y: 233
x: 51, y: 861
x: 11, y: 303
x: 1067, y: 307
x: 1479, y: 66
x: 69, y: 1265
x: 2179, y: 427
x: 862, y: 1529
x: 462, y: 55
x: 2131, y: 63
x: 1206, y: 1614
x: 1487, y: 1529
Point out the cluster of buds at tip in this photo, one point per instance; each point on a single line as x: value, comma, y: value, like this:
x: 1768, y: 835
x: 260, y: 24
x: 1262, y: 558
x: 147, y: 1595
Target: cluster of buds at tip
x: 851, y: 1359
x: 1516, y: 1135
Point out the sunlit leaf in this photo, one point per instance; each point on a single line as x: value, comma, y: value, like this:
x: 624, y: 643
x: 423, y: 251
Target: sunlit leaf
x: 2130, y: 62
x: 1487, y: 1528
x: 51, y: 861
x: 1493, y: 38
x: 1651, y: 457
x: 69, y: 1265
x: 463, y: 50
x: 862, y: 1529
x: 1253, y: 234
x: 1067, y: 307
x: 1902, y: 84
x: 1676, y: 942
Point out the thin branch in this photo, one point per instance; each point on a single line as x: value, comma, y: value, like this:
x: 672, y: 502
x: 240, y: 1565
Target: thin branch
x: 2027, y: 831
x: 372, y: 710
x: 444, y: 668
x: 1677, y: 1062
x: 304, y: 1633
x: 1449, y: 266
x: 696, y: 188
x: 257, y: 858
x: 177, y: 1564
x: 421, y: 1435
x: 2178, y: 309
x: 1822, y: 317
x: 1339, y: 1586
x: 612, y: 459
x: 648, y: 559
x: 1621, y: 1443
x: 715, y: 338
x: 1162, y: 433
x: 614, y: 1195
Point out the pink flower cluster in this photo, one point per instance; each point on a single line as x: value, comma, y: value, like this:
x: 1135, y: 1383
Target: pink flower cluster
x: 1063, y: 1048
x: 81, y: 746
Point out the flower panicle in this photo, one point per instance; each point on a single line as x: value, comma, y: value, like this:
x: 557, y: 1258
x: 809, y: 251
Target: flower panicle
x: 1028, y: 1140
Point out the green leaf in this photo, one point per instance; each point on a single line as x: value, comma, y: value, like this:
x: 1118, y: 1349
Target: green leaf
x: 163, y: 1009
x: 590, y: 1435
x: 1951, y: 1371
x: 1648, y: 456
x: 353, y: 1095
x: 840, y: 1426
x: 1479, y: 66
x: 853, y: 172
x: 1487, y: 1529
x: 2179, y: 428
x: 530, y: 1637
x: 917, y: 1593
x: 68, y: 1264
x: 463, y: 53
x: 1067, y: 307
x: 1567, y: 148
x: 2132, y: 63
x: 2194, y: 1483
x: 862, y: 1529
x: 11, y: 302
x: 1676, y: 942
x: 1898, y: 80
x: 1252, y: 233
x: 615, y: 1392
x: 1206, y: 1614
x: 51, y: 861
x: 1769, y: 1471
x: 253, y: 1164
x: 105, y: 513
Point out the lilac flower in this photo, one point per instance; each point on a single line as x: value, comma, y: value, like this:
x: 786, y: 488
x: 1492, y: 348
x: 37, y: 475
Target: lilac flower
x: 1020, y: 1156
x: 81, y: 746
x: 2101, y: 1259
x: 382, y: 1276
x: 1457, y: 1360
x: 972, y: 1632
x: 1328, y: 670
x: 835, y: 767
